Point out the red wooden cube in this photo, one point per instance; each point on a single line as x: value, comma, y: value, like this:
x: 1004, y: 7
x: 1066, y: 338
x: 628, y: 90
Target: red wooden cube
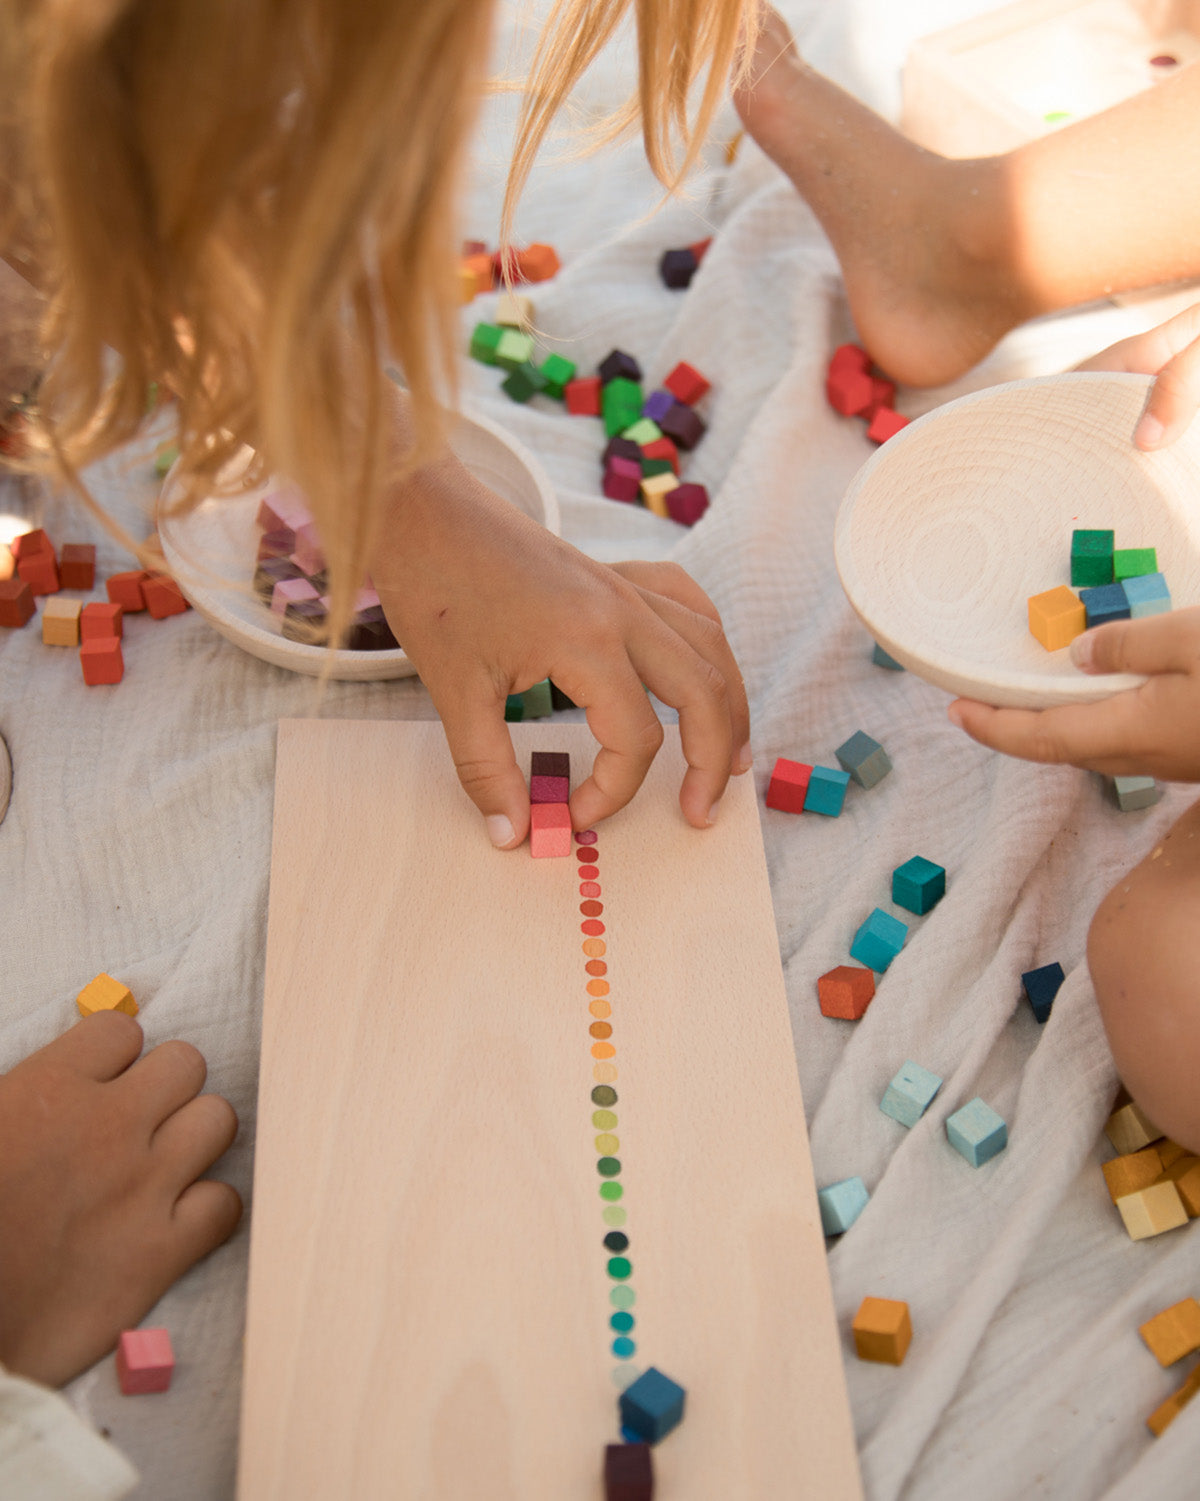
x: 662, y: 448
x: 788, y: 786
x: 850, y: 357
x: 125, y: 589
x: 99, y: 621
x: 845, y: 992
x: 101, y: 661
x: 686, y: 383
x: 163, y: 596
x: 885, y: 424
x: 77, y: 565
x: 145, y: 1361
x: 29, y: 543
x: 622, y: 479
x: 39, y: 570
x: 699, y: 248
x: 848, y: 391
x: 883, y: 394
x: 549, y: 830
x: 628, y: 1473
x: 16, y: 603
x: 582, y: 396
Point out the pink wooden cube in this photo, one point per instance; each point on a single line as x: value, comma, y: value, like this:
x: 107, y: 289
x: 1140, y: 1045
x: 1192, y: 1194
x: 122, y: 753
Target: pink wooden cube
x: 308, y: 554
x: 622, y: 479
x: 290, y: 592
x: 144, y: 1361
x: 283, y: 508
x: 549, y: 789
x: 549, y: 830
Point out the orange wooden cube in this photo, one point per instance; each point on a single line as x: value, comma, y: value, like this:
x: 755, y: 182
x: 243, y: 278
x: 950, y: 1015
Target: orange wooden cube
x: 537, y: 262
x: 29, y: 543
x: 163, y: 596
x: 846, y: 992
x: 882, y: 1330
x: 39, y: 570
x: 1173, y: 1333
x: 1135, y: 1170
x: 1185, y: 1174
x: 105, y: 994
x: 77, y: 565
x: 481, y: 267
x: 1168, y: 1411
x: 99, y: 620
x: 1057, y: 617
x: 102, y: 661
x: 125, y: 589
x: 60, y: 622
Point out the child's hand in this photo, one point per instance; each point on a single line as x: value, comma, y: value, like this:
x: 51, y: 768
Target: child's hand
x: 1153, y: 730
x: 1171, y: 352
x: 100, y: 1207
x: 487, y: 603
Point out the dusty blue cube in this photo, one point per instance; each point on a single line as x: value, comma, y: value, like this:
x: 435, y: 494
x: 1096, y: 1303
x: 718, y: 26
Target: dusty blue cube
x: 881, y: 659
x: 1132, y: 793
x: 1147, y: 595
x: 1041, y: 986
x: 826, y: 791
x: 865, y: 759
x: 879, y: 940
x: 1105, y: 603
x: 910, y: 1094
x: 652, y: 1406
x: 841, y: 1204
x: 918, y: 885
x: 977, y: 1133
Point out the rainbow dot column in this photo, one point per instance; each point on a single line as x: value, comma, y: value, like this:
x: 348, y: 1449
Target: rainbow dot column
x: 615, y: 1242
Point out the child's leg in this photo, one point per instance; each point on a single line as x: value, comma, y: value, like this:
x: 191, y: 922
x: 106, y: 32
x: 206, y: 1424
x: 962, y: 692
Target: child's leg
x: 100, y: 1207
x: 942, y: 257
x: 1144, y: 955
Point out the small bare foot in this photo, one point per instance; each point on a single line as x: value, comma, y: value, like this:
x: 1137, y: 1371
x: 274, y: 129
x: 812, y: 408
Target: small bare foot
x: 100, y: 1207
x: 919, y: 236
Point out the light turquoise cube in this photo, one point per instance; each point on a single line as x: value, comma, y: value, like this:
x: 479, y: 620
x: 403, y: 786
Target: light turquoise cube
x: 1147, y: 595
x: 826, y: 791
x: 910, y: 1094
x: 879, y: 940
x: 841, y: 1204
x: 865, y: 759
x: 977, y: 1133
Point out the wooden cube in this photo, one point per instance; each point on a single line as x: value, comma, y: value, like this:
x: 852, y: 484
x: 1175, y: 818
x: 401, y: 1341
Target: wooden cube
x: 29, y: 543
x: 628, y: 1473
x: 60, y: 622
x: 1129, y: 1129
x: 845, y: 992
x: 125, y: 589
x: 99, y: 620
x: 16, y: 603
x: 976, y: 1132
x: 1168, y: 1411
x: 1056, y: 617
x: 549, y: 830
x: 1131, y: 1172
x: 1185, y: 1174
x: 788, y: 786
x: 102, y: 661
x: 481, y: 268
x: 655, y: 489
x: 513, y: 310
x: 662, y: 448
x: 582, y: 396
x: 40, y: 571
x: 1173, y: 1333
x: 848, y: 390
x: 106, y: 994
x: 686, y: 383
x: 77, y: 565
x: 8, y: 564
x: 883, y: 423
x: 1151, y: 1211
x: 537, y: 262
x: 145, y: 1361
x: 882, y: 1330
x: 687, y: 503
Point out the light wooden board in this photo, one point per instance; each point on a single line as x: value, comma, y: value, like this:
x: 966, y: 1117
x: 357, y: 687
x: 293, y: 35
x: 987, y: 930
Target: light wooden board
x: 429, y: 1300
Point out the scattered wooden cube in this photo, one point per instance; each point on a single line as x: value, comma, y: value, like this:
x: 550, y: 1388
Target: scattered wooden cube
x: 16, y: 603
x: 1153, y: 1210
x: 39, y: 569
x: 683, y: 426
x: 538, y: 262
x: 622, y: 479
x: 1134, y: 562
x: 1168, y: 1411
x: 1129, y: 1129
x: 537, y: 700
x: 1147, y: 595
x: 677, y: 267
x: 841, y: 1204
x: 850, y: 357
x: 657, y: 405
x: 1132, y: 793
x: 523, y: 383
x: 910, y: 1093
x: 620, y: 404
x: 125, y: 589
x: 655, y: 489
x: 1132, y: 1171
x: 60, y: 622
x: 582, y: 396
x: 848, y: 390
x: 879, y: 940
x: 513, y: 349
x: 557, y: 372
x: 105, y: 994
x: 976, y: 1132
x: 845, y: 992
x: 826, y: 791
x: 549, y: 830
x: 918, y: 885
x: 1173, y: 1333
x: 652, y: 1406
x: 1091, y: 557
x: 865, y: 759
x: 292, y: 591
x: 549, y: 777
x: 1105, y: 602
x: 145, y: 1361
x: 642, y: 431
x: 30, y: 543
x: 662, y: 448
x: 163, y: 596
x: 883, y: 395
x: 618, y: 365
x: 77, y: 565
x: 1056, y: 617
x: 485, y: 339
x: 882, y: 1330
x: 483, y: 268
x: 1185, y: 1174
x: 687, y: 503
x: 788, y: 786
x: 97, y: 619
x: 628, y: 1473
x: 101, y: 661
x: 513, y: 310
x: 885, y: 424
x: 686, y: 384
x: 1041, y: 986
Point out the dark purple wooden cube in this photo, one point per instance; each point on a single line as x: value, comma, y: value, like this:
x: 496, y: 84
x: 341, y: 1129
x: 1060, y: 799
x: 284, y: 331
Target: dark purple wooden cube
x: 621, y: 448
x: 628, y: 1473
x: 301, y: 618
x: 683, y: 426
x: 272, y: 571
x: 618, y: 363
x: 677, y: 267
x: 559, y: 700
x: 371, y: 632
x: 550, y: 764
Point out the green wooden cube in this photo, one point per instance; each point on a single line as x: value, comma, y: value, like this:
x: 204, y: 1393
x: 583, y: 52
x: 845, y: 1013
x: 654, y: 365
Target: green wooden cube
x: 656, y: 466
x: 1091, y: 558
x: 513, y: 349
x: 523, y: 382
x: 620, y: 404
x: 514, y: 708
x: 1134, y: 563
x: 537, y: 701
x: 484, y: 339
x: 556, y: 372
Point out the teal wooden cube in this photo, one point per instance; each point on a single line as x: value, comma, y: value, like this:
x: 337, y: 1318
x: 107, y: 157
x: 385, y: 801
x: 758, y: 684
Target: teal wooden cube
x: 976, y: 1132
x: 651, y: 1406
x: 841, y: 1204
x: 523, y: 382
x: 1132, y: 793
x: 536, y: 701
x: 881, y: 659
x: 1134, y: 562
x: 879, y: 940
x: 642, y: 431
x: 865, y: 759
x: 910, y: 1093
x: 1091, y: 557
x: 484, y: 338
x: 513, y: 349
x: 918, y: 885
x: 1147, y: 595
x: 556, y: 372
x: 514, y: 708
x: 826, y: 791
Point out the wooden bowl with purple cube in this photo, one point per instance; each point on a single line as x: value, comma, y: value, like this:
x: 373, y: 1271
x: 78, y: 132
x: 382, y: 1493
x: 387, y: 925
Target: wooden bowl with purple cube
x: 217, y: 554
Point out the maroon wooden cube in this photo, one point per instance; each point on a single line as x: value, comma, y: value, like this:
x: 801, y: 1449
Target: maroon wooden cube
x: 687, y: 503
x: 628, y: 1473
x: 682, y: 425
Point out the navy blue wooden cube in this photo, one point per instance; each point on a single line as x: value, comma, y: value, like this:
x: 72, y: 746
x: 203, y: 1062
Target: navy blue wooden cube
x: 1041, y: 986
x: 652, y: 1406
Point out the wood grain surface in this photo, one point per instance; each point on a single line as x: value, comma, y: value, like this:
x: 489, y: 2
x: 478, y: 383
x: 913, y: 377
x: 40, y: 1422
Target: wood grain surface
x: 428, y: 1292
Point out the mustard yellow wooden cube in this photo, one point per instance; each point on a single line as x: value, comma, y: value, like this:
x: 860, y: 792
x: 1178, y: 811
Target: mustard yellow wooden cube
x: 60, y: 621
x: 655, y: 489
x: 1152, y: 1210
x: 1132, y: 1171
x: 882, y: 1330
x: 1129, y: 1129
x: 1173, y: 1333
x: 1185, y: 1174
x: 106, y: 994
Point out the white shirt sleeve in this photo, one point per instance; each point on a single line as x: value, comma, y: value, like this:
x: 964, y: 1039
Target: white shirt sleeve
x: 48, y: 1453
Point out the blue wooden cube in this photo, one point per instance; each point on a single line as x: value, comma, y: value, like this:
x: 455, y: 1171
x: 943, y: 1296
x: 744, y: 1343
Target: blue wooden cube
x: 652, y: 1406
x: 1104, y: 603
x: 1147, y: 595
x: 1041, y: 986
x: 879, y: 940
x: 865, y: 759
x: 881, y: 659
x: 918, y: 885
x: 1132, y: 793
x: 841, y: 1204
x: 910, y: 1093
x: 976, y: 1132
x: 826, y: 791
